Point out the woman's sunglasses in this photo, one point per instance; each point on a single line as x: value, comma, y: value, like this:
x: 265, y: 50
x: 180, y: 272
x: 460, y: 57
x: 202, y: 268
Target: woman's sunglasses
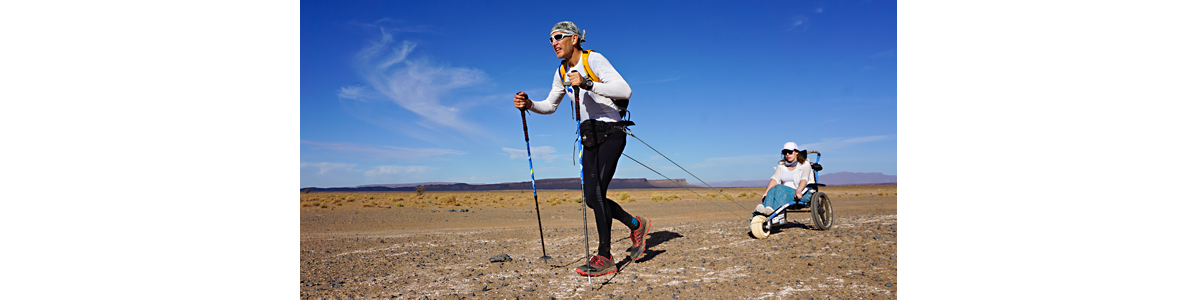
x: 786, y: 152
x: 558, y: 37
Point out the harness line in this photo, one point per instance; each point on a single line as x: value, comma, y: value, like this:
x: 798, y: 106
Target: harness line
x: 685, y: 170
x: 680, y: 185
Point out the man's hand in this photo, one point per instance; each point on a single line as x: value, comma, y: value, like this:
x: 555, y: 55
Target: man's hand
x: 521, y: 101
x: 576, y: 79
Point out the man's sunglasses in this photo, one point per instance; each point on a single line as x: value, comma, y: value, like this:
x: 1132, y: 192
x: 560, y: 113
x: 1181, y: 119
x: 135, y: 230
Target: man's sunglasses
x: 558, y: 37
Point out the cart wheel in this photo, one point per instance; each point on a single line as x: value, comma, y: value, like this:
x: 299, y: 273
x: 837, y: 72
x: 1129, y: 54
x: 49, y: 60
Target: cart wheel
x: 822, y: 211
x: 756, y: 227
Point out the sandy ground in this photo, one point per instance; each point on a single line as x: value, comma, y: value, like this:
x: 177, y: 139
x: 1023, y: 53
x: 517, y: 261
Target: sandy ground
x: 365, y: 245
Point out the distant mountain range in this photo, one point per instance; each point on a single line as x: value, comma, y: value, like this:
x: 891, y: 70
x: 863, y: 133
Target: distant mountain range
x: 839, y: 178
x: 543, y: 184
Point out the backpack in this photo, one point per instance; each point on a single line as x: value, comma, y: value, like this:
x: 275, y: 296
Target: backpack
x: 622, y: 104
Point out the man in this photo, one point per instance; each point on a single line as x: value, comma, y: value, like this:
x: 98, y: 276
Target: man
x: 599, y: 85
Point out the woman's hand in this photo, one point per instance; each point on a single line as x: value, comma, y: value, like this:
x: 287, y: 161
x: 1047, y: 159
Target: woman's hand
x: 521, y: 101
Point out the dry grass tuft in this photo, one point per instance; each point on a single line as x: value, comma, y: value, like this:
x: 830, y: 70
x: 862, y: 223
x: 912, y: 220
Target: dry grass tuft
x: 451, y: 200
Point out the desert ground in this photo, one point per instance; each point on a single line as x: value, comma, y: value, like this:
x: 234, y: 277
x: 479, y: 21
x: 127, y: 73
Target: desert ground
x: 439, y: 245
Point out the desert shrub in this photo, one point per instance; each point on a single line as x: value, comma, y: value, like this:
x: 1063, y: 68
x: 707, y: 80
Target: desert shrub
x: 656, y: 197
x: 420, y: 190
x: 742, y: 195
x: 450, y: 201
x: 625, y: 196
x: 324, y: 205
x: 578, y: 200
x: 672, y: 197
x: 399, y: 204
x: 305, y: 191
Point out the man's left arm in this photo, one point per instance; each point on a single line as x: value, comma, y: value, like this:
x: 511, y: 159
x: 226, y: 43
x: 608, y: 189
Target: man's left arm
x: 613, y: 86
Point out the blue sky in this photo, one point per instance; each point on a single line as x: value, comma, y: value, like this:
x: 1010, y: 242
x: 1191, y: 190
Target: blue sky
x: 420, y: 91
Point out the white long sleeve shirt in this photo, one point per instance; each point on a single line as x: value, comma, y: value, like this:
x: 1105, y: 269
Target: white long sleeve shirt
x: 597, y: 103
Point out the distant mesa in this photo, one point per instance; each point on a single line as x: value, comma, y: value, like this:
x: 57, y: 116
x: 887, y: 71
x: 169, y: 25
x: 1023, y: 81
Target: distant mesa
x: 853, y: 178
x: 542, y: 184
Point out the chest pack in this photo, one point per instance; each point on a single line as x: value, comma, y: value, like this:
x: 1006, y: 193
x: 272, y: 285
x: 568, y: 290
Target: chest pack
x: 622, y: 104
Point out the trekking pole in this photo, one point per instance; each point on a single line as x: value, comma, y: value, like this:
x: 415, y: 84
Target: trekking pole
x: 533, y: 182
x: 582, y: 196
x: 600, y: 199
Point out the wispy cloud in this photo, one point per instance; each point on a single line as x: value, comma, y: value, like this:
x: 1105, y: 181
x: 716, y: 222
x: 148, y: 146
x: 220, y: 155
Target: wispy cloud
x: 396, y: 171
x: 798, y: 21
x: 839, y: 143
x: 344, y: 174
x: 736, y: 160
x: 669, y: 79
x: 326, y: 167
x: 545, y: 153
x: 352, y: 93
x: 414, y: 84
x: 885, y: 54
x: 392, y: 26
x: 383, y: 152
x: 825, y: 145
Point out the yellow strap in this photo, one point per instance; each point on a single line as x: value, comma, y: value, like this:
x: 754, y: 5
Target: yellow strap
x: 587, y: 68
x: 562, y: 72
x: 562, y: 69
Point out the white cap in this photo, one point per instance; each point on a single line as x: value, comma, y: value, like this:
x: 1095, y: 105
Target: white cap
x: 790, y: 146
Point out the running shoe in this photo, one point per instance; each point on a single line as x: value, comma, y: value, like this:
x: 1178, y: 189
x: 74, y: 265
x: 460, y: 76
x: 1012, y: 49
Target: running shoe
x: 597, y: 266
x: 638, y: 237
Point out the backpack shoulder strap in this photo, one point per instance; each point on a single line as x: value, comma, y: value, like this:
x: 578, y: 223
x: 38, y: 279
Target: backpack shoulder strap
x: 562, y: 68
x: 587, y: 68
x: 562, y: 71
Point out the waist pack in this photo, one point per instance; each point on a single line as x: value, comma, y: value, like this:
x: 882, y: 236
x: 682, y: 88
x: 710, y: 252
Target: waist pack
x: 593, y: 133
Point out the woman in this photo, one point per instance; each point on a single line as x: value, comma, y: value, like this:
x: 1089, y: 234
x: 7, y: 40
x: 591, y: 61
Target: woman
x: 791, y: 175
x: 603, y: 137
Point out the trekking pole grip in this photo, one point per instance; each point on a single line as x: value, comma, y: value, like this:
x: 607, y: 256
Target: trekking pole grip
x: 524, y: 126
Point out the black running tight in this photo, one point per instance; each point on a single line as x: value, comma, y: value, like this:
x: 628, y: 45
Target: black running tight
x: 607, y: 153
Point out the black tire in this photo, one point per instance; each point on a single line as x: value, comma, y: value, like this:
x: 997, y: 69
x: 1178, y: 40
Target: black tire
x: 822, y: 211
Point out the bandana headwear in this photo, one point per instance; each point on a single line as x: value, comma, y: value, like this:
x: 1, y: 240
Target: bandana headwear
x: 568, y: 27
